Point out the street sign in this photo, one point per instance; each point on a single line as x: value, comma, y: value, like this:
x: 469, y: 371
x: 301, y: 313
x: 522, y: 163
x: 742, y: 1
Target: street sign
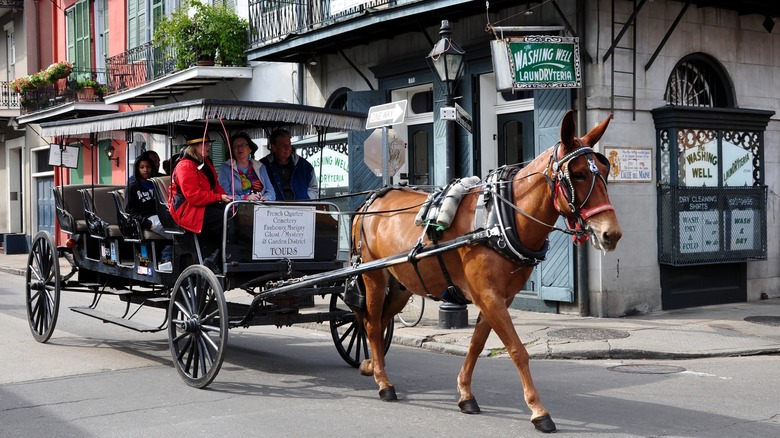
x: 386, y: 115
x: 463, y: 118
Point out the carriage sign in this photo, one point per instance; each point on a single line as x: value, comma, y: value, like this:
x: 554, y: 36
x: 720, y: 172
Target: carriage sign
x: 536, y: 62
x: 283, y: 232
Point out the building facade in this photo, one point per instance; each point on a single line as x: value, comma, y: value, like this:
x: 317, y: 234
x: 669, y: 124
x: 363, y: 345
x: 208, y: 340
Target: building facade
x: 693, y: 143
x: 692, y: 89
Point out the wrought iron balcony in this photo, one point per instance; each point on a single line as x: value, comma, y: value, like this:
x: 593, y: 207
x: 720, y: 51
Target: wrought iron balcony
x: 9, y: 99
x: 64, y: 91
x: 12, y: 4
x: 150, y: 73
x: 139, y: 66
x: 273, y: 20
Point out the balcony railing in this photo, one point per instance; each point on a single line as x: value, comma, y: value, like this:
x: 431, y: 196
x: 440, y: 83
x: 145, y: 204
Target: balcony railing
x: 139, y: 66
x: 271, y: 20
x: 8, y: 97
x: 64, y: 91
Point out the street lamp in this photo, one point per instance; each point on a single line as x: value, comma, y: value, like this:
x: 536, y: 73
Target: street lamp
x: 446, y: 61
x: 110, y: 154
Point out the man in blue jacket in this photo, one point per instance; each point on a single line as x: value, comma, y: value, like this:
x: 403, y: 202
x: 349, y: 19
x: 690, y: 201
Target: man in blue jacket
x: 292, y: 176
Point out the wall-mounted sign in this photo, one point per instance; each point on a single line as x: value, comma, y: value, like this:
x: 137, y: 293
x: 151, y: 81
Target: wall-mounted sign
x: 738, y: 165
x: 536, y: 62
x: 699, y: 166
x: 629, y: 164
x: 66, y: 156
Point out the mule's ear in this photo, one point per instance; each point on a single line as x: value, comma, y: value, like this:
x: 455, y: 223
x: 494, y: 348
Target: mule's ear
x: 593, y: 137
x: 567, y: 130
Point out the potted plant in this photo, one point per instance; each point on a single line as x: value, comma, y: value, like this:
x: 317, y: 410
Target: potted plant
x: 58, y: 73
x: 86, y: 89
x: 210, y: 33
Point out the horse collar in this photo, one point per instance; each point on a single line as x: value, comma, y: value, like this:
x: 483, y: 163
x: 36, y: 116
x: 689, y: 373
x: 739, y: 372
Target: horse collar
x: 495, y: 213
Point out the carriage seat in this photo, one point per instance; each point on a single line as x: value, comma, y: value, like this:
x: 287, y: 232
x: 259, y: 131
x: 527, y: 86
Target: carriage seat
x: 131, y: 229
x: 100, y: 211
x: 162, y: 190
x: 70, y: 208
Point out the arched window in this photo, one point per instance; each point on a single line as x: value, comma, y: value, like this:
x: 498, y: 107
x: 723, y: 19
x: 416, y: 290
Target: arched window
x: 699, y: 80
x: 338, y: 100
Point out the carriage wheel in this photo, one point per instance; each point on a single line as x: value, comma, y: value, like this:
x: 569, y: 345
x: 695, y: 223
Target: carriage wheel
x: 349, y: 335
x: 43, y: 287
x: 197, y: 326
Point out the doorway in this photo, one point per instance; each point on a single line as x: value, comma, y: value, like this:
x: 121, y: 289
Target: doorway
x: 515, y: 138
x: 420, y: 153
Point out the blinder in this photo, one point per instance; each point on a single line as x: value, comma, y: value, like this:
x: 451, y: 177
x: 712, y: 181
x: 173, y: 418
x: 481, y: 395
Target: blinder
x: 563, y: 185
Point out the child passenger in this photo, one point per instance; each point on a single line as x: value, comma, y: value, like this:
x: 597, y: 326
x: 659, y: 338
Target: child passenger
x: 139, y: 196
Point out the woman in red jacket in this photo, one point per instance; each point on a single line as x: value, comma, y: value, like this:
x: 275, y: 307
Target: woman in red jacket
x: 197, y: 202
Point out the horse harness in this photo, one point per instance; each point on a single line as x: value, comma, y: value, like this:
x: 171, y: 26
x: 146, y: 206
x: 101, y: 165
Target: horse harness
x: 494, y: 221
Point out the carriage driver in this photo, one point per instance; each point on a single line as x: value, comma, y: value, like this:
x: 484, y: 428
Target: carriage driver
x: 292, y: 176
x: 197, y: 200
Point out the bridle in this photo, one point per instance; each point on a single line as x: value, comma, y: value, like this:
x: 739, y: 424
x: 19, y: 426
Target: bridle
x: 557, y: 174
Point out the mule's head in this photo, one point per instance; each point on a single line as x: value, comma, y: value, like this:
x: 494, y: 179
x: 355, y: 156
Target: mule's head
x: 580, y: 178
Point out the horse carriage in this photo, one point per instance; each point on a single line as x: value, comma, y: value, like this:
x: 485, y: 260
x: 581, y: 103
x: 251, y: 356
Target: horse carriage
x: 285, y: 254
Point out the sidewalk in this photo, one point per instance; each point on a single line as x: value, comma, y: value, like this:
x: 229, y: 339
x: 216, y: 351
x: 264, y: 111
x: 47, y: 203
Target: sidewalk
x: 739, y: 329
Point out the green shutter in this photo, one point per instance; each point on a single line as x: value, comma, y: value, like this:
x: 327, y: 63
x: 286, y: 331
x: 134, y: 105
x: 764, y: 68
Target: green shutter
x: 136, y: 23
x: 71, y: 38
x: 83, y: 58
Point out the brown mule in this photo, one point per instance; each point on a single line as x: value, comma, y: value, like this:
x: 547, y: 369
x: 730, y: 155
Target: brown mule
x: 568, y: 179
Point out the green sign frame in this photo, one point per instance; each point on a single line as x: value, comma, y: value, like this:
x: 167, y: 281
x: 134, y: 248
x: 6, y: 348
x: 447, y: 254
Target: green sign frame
x: 544, y: 62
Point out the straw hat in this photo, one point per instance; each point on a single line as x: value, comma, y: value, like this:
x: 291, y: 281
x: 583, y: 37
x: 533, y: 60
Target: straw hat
x: 199, y: 140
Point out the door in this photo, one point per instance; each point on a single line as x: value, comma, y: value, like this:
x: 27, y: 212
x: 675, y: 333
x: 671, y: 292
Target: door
x: 553, y: 279
x: 420, y: 154
x: 45, y: 205
x: 361, y: 178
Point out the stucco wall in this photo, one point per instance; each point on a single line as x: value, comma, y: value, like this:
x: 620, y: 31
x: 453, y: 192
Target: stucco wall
x: 627, y: 281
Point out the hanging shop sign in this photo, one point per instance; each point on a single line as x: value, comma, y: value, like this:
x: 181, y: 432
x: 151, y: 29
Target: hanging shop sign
x: 536, y: 62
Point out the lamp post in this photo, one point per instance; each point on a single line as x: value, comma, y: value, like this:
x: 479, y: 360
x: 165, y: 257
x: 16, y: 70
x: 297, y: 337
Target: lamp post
x: 446, y: 61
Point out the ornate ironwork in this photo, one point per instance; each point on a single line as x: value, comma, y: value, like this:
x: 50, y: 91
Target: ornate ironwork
x: 273, y: 20
x: 12, y: 4
x: 139, y: 65
x: 8, y: 97
x: 62, y: 92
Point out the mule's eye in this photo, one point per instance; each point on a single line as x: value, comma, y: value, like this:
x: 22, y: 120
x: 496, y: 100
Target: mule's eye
x: 579, y: 176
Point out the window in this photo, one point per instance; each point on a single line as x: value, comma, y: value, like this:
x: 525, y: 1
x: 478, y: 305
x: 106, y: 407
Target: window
x: 422, y: 102
x: 699, y: 80
x: 78, y: 37
x: 10, y: 45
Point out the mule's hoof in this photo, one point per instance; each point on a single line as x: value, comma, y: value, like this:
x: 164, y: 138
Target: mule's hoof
x: 469, y: 406
x: 388, y: 394
x: 544, y: 424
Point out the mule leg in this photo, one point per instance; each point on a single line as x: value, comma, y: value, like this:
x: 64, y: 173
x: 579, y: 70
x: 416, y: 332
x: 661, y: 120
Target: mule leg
x: 376, y: 284
x: 467, y: 402
x: 496, y: 314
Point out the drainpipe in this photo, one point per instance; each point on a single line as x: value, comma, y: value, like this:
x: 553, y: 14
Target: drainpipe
x: 300, y: 94
x: 583, y: 290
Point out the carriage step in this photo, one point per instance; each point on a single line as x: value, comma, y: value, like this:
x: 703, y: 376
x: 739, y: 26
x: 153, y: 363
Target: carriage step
x: 105, y: 317
x: 158, y: 299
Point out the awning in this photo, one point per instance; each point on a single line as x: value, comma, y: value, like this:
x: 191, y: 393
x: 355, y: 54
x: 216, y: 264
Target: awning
x: 258, y: 119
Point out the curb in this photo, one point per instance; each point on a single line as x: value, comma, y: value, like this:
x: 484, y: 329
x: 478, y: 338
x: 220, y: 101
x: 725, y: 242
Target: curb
x: 13, y: 271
